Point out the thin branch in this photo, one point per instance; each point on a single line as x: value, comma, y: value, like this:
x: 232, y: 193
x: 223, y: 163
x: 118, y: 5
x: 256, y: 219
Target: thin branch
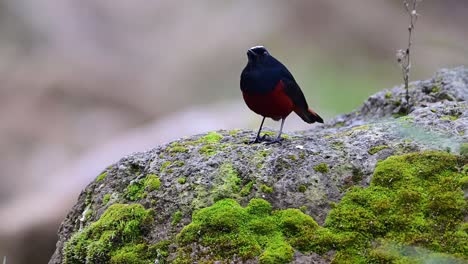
x: 403, y: 56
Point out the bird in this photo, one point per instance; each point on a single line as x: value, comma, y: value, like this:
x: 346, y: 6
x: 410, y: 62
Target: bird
x: 270, y: 90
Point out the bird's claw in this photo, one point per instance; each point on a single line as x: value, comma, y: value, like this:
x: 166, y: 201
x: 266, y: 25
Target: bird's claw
x: 264, y: 138
x: 276, y: 140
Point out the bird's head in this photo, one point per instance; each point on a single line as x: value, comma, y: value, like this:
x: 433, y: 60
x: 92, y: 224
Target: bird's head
x: 258, y: 54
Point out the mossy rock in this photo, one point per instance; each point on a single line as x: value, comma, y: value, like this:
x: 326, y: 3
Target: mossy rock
x: 117, y: 237
x: 361, y: 197
x: 421, y: 208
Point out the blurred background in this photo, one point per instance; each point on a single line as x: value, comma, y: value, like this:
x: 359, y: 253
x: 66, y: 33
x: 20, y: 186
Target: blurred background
x: 83, y: 82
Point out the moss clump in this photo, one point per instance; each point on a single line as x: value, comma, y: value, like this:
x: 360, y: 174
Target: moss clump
x: 266, y: 189
x: 139, y: 189
x: 302, y: 188
x: 435, y: 89
x: 117, y: 237
x: 210, y: 138
x: 181, y: 180
x: 176, y: 217
x: 208, y: 150
x: 413, y: 200
x: 231, y: 230
x: 388, y: 95
x: 179, y: 163
x: 376, y: 149
x: 177, y: 148
x: 164, y: 166
x: 152, y: 182
x: 106, y: 198
x: 227, y: 183
x: 135, y: 191
x: 247, y: 188
x: 322, y: 167
x: 101, y: 176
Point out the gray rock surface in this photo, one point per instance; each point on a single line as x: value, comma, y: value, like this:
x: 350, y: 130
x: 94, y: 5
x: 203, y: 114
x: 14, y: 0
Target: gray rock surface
x: 310, y: 170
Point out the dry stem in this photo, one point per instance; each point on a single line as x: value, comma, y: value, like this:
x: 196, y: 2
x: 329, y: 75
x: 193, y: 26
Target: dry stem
x: 403, y: 56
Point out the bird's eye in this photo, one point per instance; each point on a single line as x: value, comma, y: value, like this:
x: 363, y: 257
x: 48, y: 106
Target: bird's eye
x: 265, y: 52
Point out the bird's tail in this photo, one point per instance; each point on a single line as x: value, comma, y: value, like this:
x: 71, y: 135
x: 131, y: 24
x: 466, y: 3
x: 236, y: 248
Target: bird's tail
x: 309, y: 116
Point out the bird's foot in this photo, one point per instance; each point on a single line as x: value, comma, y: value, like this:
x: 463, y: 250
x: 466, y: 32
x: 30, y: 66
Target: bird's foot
x: 274, y: 141
x: 264, y: 138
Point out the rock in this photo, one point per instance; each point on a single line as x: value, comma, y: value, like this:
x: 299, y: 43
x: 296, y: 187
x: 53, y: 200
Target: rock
x: 213, y: 197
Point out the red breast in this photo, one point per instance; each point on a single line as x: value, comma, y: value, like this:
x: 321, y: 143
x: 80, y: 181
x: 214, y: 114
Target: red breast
x: 275, y: 104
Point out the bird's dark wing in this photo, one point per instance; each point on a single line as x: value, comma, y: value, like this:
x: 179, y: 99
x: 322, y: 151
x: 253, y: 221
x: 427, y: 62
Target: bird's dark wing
x: 301, y: 108
x: 294, y: 92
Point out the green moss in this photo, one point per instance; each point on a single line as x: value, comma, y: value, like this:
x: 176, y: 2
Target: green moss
x: 413, y: 200
x: 176, y: 217
x: 152, y: 182
x: 227, y: 183
x: 106, y: 198
x: 412, y: 212
x: 88, y: 213
x: 268, y: 133
x: 322, y: 167
x: 376, y: 149
x: 407, y: 119
x: 449, y: 118
x: 274, y: 134
x: 247, y: 188
x: 208, y: 150
x: 339, y: 124
x: 179, y: 163
x: 165, y: 165
x: 362, y: 127
x: 101, y: 176
x: 388, y: 95
x: 260, y: 156
x: 337, y: 145
x: 266, y: 189
x: 134, y: 191
x: 138, y: 189
x: 181, y: 180
x: 435, y: 89
x: 210, y: 138
x: 178, y: 149
x: 117, y: 237
x: 302, y: 188
x: 234, y: 132
x: 231, y: 230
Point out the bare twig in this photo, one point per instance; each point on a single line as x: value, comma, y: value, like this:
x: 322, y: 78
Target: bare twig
x: 403, y: 56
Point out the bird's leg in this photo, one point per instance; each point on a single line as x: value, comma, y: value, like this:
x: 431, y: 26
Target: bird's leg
x: 278, y: 139
x: 259, y: 139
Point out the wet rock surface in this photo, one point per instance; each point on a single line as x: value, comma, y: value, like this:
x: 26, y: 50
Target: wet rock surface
x: 311, y: 170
